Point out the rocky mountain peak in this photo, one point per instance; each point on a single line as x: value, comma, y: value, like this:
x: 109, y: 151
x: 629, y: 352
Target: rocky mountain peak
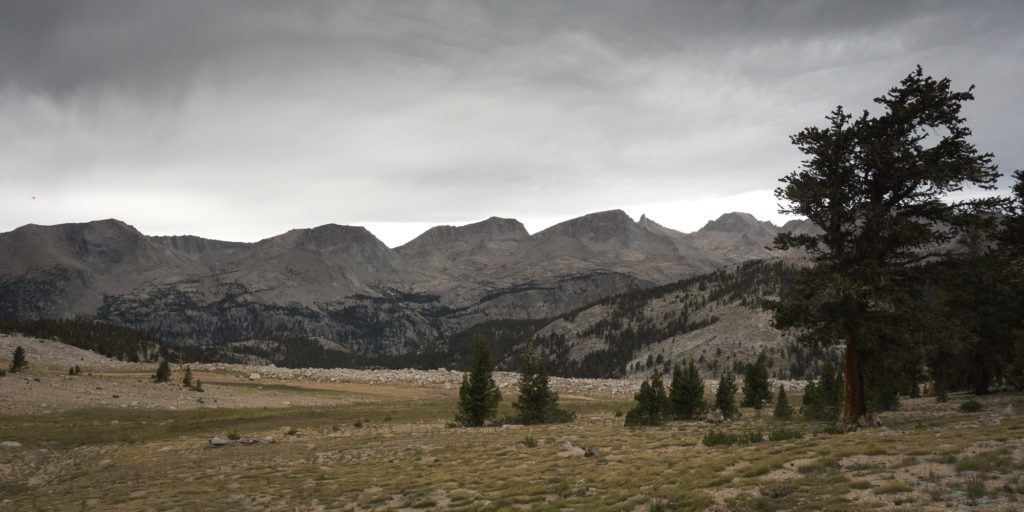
x: 738, y: 222
x: 494, y: 229
x: 598, y: 227
x: 650, y: 225
x: 326, y: 237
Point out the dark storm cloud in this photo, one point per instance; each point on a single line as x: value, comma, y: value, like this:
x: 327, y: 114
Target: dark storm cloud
x: 247, y: 117
x: 62, y: 47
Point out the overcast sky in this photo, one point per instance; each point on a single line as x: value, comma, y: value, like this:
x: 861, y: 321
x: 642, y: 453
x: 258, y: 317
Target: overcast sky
x: 239, y: 120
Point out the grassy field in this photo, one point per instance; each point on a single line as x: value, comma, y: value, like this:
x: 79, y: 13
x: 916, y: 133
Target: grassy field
x: 391, y: 454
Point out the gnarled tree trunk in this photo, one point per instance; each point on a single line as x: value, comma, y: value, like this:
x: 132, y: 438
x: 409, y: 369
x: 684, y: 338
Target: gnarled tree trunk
x: 853, y: 384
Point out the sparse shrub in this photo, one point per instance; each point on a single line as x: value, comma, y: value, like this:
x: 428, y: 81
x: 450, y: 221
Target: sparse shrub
x: 358, y: 423
x: 839, y: 428
x: 618, y: 413
x: 941, y: 396
x: 71, y: 371
x: 335, y: 428
x: 529, y: 442
x: 187, y: 379
x: 782, y: 434
x: 18, y: 361
x: 719, y: 438
x: 163, y: 372
x: 892, y: 488
x: 3, y: 373
x: 971, y: 405
x: 999, y: 460
x: 234, y: 436
x: 198, y: 387
x: 859, y: 484
x: 292, y: 432
x: 819, y: 465
x: 387, y: 417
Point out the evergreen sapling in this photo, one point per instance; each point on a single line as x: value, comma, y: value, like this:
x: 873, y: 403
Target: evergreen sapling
x: 478, y: 394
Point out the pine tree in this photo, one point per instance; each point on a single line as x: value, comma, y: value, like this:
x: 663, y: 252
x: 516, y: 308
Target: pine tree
x: 823, y: 400
x: 686, y: 394
x: 18, y: 362
x: 1011, y: 237
x: 536, y: 402
x: 163, y: 372
x: 878, y: 188
x: 756, y: 389
x: 725, y: 397
x: 659, y: 396
x: 651, y: 403
x: 783, y: 411
x: 478, y: 395
x: 187, y: 379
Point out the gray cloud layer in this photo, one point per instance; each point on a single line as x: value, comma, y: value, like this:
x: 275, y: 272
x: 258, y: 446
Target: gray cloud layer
x: 239, y: 119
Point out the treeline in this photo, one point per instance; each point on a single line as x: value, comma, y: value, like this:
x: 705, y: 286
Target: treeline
x: 114, y: 341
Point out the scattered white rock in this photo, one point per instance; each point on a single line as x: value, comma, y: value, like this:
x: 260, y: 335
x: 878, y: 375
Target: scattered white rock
x: 11, y: 444
x: 715, y: 417
x: 254, y: 376
x: 574, y: 451
x: 217, y: 442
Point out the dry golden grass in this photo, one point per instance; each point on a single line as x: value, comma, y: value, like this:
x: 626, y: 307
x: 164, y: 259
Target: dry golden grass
x: 405, y: 457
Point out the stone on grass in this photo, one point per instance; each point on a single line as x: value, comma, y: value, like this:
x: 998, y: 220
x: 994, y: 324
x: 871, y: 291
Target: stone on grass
x: 574, y: 451
x: 217, y: 442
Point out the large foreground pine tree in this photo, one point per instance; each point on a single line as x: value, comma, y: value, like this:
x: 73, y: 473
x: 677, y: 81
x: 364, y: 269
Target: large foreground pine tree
x: 878, y: 187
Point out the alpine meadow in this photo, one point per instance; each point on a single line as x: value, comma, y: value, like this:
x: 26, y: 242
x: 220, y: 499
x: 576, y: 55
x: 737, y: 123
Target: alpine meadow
x: 832, y: 324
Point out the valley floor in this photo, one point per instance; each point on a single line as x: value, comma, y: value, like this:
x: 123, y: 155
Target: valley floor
x: 113, y: 440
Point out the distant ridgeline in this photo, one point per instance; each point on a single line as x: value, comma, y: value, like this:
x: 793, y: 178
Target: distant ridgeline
x: 619, y: 331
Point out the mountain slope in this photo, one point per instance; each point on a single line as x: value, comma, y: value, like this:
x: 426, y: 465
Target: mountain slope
x: 713, y: 319
x: 341, y: 284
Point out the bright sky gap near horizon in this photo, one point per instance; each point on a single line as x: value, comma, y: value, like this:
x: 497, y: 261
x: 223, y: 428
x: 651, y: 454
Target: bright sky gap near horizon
x: 239, y: 120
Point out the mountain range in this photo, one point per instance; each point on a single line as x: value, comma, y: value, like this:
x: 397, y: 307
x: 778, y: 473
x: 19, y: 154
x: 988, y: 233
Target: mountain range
x: 344, y: 286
